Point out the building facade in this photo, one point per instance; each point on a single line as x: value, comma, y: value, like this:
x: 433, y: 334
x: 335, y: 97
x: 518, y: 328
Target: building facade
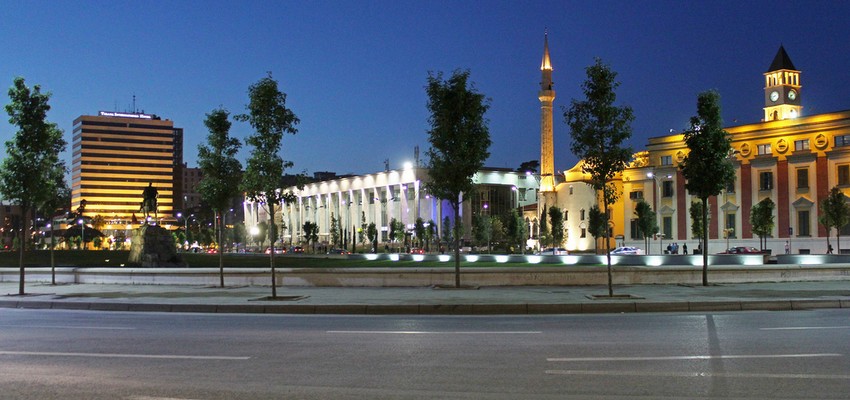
x: 790, y: 158
x: 115, y: 156
x: 395, y: 194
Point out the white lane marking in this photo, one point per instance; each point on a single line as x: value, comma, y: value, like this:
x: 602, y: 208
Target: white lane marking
x: 669, y: 358
x: 110, y: 328
x: 802, y: 328
x: 436, y: 332
x: 118, y: 355
x: 697, y: 374
x: 155, y: 398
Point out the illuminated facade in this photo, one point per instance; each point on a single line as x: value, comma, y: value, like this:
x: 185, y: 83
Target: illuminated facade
x: 395, y: 194
x: 115, y: 157
x: 547, y: 150
x: 793, y: 159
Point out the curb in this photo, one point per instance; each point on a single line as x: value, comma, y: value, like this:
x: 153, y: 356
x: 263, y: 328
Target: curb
x: 439, y: 309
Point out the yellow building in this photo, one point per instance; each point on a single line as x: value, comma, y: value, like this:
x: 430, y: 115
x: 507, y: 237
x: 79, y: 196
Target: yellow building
x: 793, y: 159
x: 115, y: 157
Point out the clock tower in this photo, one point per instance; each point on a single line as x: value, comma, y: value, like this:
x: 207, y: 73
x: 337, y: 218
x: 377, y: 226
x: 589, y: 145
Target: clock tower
x: 782, y: 89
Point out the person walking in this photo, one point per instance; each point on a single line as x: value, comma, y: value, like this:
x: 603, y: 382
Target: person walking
x: 685, y: 248
x: 787, y: 247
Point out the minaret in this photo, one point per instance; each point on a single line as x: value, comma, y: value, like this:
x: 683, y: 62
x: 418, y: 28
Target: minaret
x: 782, y: 89
x: 547, y: 152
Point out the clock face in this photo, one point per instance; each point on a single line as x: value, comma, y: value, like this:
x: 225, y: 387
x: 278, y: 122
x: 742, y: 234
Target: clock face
x: 774, y: 96
x: 792, y: 95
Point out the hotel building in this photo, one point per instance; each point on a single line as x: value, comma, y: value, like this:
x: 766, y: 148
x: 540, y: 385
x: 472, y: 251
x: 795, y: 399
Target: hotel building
x: 115, y: 156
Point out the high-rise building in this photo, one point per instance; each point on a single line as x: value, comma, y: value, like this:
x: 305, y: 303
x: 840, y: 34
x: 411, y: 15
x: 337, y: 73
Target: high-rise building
x: 115, y: 156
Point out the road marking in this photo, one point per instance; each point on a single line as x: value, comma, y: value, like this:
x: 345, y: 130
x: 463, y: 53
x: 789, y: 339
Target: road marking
x: 436, y: 332
x: 155, y: 398
x: 801, y: 328
x: 109, y: 328
x: 697, y: 374
x: 118, y: 355
x: 669, y: 358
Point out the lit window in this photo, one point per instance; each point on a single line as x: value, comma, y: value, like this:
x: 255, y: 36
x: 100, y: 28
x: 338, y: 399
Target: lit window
x: 766, y: 180
x: 764, y: 149
x: 841, y: 141
x: 801, y: 145
x: 666, y: 160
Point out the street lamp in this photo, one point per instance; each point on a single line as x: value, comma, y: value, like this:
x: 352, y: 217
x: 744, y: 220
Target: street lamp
x: 82, y: 234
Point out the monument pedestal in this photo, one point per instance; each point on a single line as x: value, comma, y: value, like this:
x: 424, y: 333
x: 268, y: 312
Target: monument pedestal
x: 153, y: 246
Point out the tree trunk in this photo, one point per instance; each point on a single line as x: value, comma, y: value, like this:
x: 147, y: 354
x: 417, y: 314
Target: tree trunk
x: 220, y: 250
x: 608, y: 247
x: 271, y: 253
x: 23, y: 245
x: 456, y: 207
x: 704, y: 241
x: 52, y: 259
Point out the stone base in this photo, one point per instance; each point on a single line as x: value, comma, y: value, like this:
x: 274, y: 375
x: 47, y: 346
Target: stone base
x: 153, y: 246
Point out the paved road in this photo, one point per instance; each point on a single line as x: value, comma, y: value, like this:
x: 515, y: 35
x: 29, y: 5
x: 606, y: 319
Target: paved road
x: 58, y: 354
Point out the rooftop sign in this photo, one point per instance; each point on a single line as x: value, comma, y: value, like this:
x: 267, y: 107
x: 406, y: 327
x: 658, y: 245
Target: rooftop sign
x: 125, y: 115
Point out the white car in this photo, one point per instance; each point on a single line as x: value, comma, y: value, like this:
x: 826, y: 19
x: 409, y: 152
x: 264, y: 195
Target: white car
x: 554, y: 251
x: 626, y: 251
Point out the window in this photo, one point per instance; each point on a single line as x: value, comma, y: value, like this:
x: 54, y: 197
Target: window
x: 571, y: 190
x: 764, y: 149
x: 667, y: 223
x: 667, y: 189
x: 581, y: 215
x: 803, y: 228
x: 730, y: 186
x: 844, y: 174
x: 766, y: 180
x: 841, y: 141
x: 666, y: 160
x: 634, y: 230
x: 802, y: 178
x: 567, y: 215
x: 801, y: 145
x: 636, y: 195
x: 730, y: 225
x: 583, y: 232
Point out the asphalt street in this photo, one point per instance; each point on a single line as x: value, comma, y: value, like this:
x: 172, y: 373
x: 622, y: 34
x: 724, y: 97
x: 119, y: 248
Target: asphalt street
x: 63, y: 354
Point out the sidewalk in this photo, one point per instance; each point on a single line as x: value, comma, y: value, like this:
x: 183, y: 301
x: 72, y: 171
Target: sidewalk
x: 486, y: 300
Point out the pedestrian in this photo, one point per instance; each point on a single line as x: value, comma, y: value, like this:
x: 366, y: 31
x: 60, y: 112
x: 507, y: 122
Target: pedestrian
x: 669, y: 248
x: 685, y: 248
x: 787, y: 247
x: 829, y: 249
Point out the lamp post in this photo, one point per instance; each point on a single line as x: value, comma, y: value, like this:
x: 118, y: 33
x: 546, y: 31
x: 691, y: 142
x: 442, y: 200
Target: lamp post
x: 82, y: 234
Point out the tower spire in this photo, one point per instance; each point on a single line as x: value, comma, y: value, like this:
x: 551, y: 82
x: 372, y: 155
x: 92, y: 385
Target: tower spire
x: 547, y: 152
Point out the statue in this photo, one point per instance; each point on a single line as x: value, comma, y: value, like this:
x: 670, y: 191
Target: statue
x: 148, y: 205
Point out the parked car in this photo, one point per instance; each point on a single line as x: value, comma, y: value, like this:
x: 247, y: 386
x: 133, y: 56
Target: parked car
x: 296, y: 249
x: 742, y: 250
x: 417, y: 250
x: 338, y: 251
x: 554, y: 251
x: 276, y: 250
x: 627, y: 250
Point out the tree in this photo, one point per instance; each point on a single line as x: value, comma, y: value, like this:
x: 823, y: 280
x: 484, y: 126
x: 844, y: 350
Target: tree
x: 311, y: 234
x: 599, y: 131
x: 217, y: 160
x: 707, y: 168
x: 696, y: 212
x: 543, y: 237
x: 556, y: 216
x: 482, y: 230
x: 52, y: 206
x: 835, y: 213
x: 372, y: 234
x: 647, y: 224
x: 529, y: 167
x: 761, y: 220
x: 419, y: 231
x: 335, y: 234
x: 363, y: 227
x: 30, y: 173
x: 430, y: 232
x: 497, y: 232
x: 597, y: 225
x: 446, y: 234
x: 459, y: 140
x: 270, y: 119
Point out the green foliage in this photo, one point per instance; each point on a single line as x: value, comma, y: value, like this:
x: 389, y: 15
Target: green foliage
x: 482, y: 230
x: 530, y: 166
x: 707, y: 168
x: 647, y: 223
x: 335, y: 231
x: 372, y: 234
x: 363, y: 228
x: 419, y: 231
x: 430, y: 233
x: 447, y: 229
x: 31, y: 172
x: 599, y: 130
x: 459, y: 139
x: 835, y: 212
x: 597, y: 223
x: 556, y: 217
x: 544, y: 236
x: 311, y: 233
x: 697, y: 227
x: 762, y: 220
x: 516, y: 230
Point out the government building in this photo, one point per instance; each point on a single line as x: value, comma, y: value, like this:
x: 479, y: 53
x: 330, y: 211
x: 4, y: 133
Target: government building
x: 115, y: 156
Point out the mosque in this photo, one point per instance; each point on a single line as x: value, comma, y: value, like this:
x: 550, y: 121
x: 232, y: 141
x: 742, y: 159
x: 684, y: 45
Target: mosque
x: 789, y: 157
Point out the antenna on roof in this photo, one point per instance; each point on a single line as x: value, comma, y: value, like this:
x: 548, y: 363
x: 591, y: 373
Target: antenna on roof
x: 134, y: 102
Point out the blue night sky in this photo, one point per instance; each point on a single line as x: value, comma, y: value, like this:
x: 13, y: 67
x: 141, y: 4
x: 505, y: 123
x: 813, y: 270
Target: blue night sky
x: 355, y: 71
